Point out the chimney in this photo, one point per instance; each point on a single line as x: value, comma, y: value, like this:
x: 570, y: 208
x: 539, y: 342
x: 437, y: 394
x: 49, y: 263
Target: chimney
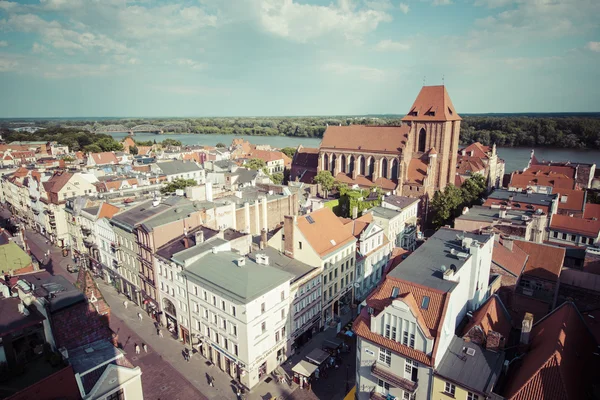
x: 262, y: 259
x: 241, y: 262
x: 526, y: 326
x: 503, y: 212
x: 508, y: 243
x: 465, y: 210
x: 494, y: 341
x: 263, y: 238
x: 354, y: 212
x: 288, y: 232
x: 199, y: 237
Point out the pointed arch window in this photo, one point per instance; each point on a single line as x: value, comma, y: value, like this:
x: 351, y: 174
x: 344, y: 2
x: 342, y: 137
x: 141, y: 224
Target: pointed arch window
x: 422, y: 140
x: 384, y: 168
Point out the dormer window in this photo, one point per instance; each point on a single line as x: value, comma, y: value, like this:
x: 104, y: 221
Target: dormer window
x: 425, y: 302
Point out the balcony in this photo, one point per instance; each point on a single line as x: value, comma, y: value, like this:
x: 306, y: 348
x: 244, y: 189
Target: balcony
x: 375, y: 395
x: 52, y: 223
x: 393, y: 379
x: 35, y: 211
x: 117, y: 263
x: 86, y: 231
x: 115, y: 246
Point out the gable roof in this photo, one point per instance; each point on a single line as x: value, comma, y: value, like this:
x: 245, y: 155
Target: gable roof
x: 569, y: 171
x: 357, y: 226
x: 591, y: 211
x: 104, y: 158
x: 513, y: 261
x: 544, y: 261
x: 178, y: 167
x: 525, y: 179
x: 575, y: 199
x: 432, y: 104
x: 429, y: 319
x: 560, y: 363
x: 565, y: 223
x: 491, y: 316
x: 379, y: 139
x: 306, y: 157
x: 107, y: 210
x: 417, y: 171
x: 477, y: 149
x: 327, y: 233
x: 57, y: 182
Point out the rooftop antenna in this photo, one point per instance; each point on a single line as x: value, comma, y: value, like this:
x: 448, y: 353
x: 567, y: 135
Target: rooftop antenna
x: 423, y: 81
x: 442, y: 79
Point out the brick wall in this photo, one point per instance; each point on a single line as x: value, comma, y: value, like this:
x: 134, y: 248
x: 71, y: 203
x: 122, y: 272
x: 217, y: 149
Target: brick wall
x: 80, y: 324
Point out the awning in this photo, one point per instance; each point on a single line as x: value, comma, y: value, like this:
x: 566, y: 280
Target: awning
x: 304, y: 368
x: 317, y: 356
x: 222, y: 352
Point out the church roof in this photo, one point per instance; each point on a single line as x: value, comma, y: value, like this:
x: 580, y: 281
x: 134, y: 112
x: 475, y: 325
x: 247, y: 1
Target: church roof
x: 432, y: 104
x: 376, y: 139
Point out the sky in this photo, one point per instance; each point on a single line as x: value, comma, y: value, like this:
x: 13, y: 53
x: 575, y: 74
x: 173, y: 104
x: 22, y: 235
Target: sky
x: 151, y: 58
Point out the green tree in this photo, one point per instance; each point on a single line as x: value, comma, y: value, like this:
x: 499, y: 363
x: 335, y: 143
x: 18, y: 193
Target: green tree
x: 289, y: 151
x: 171, y: 142
x: 144, y: 143
x: 444, y: 204
x: 341, y: 187
x: 133, y: 150
x: 92, y: 148
x: 68, y: 159
x: 277, y: 178
x: 178, y: 183
x: 221, y: 145
x: 473, y: 188
x: 109, y: 144
x: 255, y: 163
x: 326, y: 180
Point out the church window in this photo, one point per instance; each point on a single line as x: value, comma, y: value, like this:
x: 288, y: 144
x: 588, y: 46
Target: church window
x: 422, y: 140
x: 333, y: 160
x: 371, y: 167
x: 343, y: 164
x: 384, y: 168
x: 351, y: 164
x: 326, y: 163
x: 361, y: 161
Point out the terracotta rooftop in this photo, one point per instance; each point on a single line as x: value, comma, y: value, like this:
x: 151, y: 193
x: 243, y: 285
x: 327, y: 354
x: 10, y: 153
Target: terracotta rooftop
x: 476, y: 150
x: 363, y: 181
x: 57, y: 182
x: 326, y: 233
x: 512, y: 261
x: 417, y: 170
x: 569, y: 171
x: 104, y: 158
x: 357, y: 226
x: 268, y: 155
x: 432, y: 104
x: 374, y: 139
x: 306, y: 157
x: 491, y: 316
x: 466, y: 165
x: 429, y: 318
x: 565, y: 223
x: 560, y: 363
x: 591, y: 211
x: 544, y: 261
x: 575, y: 199
x: 523, y: 180
x: 107, y: 211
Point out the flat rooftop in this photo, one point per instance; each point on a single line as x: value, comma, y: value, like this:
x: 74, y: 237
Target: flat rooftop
x: 423, y: 266
x: 242, y: 283
x: 177, y: 245
x: 382, y: 212
x: 198, y: 249
x: 281, y: 261
x: 520, y: 197
x: 59, y: 292
x: 92, y: 355
x: 478, y: 372
x: 488, y: 214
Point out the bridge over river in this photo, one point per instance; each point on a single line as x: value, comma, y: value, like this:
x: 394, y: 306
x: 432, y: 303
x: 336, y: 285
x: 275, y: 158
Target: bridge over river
x: 138, y: 128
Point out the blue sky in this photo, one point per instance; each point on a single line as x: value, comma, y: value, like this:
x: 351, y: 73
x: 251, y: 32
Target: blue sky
x: 70, y: 58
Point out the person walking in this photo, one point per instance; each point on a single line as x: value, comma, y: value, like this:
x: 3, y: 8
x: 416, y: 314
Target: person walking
x: 140, y: 316
x: 160, y: 333
x: 137, y: 349
x: 125, y: 304
x: 145, y: 347
x: 211, y: 381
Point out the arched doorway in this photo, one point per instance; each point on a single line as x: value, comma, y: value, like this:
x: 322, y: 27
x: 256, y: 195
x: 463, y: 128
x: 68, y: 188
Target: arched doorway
x: 361, y: 162
x: 394, y: 169
x: 325, y: 163
x: 333, y: 160
x: 422, y: 140
x: 343, y: 164
x: 384, y: 168
x: 371, y: 167
x: 171, y: 317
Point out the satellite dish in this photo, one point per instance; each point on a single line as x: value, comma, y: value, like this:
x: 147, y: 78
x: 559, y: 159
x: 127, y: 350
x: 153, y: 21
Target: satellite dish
x: 357, y: 285
x: 443, y: 268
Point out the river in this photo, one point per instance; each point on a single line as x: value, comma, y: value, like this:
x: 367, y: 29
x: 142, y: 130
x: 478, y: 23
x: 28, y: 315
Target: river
x: 514, y: 157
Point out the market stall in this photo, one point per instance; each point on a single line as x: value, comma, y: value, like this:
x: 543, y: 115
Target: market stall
x: 303, y: 372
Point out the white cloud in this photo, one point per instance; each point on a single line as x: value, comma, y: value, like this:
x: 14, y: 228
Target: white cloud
x: 441, y: 2
x: 7, y: 65
x: 303, y: 22
x: 3, y: 43
x: 404, y: 8
x: 186, y: 62
x: 531, y: 62
x: 193, y: 90
x: 380, y: 4
x: 53, y: 33
x: 77, y: 70
x: 355, y: 71
x: 593, y: 46
x: 390, y: 45
x: 39, y: 49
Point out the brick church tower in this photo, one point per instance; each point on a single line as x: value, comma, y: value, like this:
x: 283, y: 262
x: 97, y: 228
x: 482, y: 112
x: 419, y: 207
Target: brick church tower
x: 434, y: 124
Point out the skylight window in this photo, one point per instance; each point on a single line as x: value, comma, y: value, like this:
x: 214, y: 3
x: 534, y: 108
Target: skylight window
x: 395, y: 292
x: 310, y: 219
x: 425, y: 303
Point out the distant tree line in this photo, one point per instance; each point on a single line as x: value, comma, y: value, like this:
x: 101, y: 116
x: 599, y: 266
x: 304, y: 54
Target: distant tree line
x: 74, y: 138
x: 505, y: 130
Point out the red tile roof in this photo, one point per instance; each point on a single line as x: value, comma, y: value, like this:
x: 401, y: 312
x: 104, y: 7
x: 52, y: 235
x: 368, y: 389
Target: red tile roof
x: 544, y: 261
x: 515, y: 205
x: 375, y: 139
x: 104, y: 158
x: 491, y: 316
x: 591, y: 211
x: 524, y: 180
x: 268, y: 155
x: 363, y: 181
x: 60, y: 385
x: 396, y: 257
x: 78, y: 325
x: 358, y: 225
x: 575, y: 199
x: 560, y: 363
x: 429, y: 319
x: 327, y: 233
x: 417, y: 170
x: 466, y: 165
x: 107, y: 210
x: 476, y: 150
x: 512, y: 261
x: 586, y: 227
x: 565, y: 170
x: 306, y: 157
x: 432, y: 104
